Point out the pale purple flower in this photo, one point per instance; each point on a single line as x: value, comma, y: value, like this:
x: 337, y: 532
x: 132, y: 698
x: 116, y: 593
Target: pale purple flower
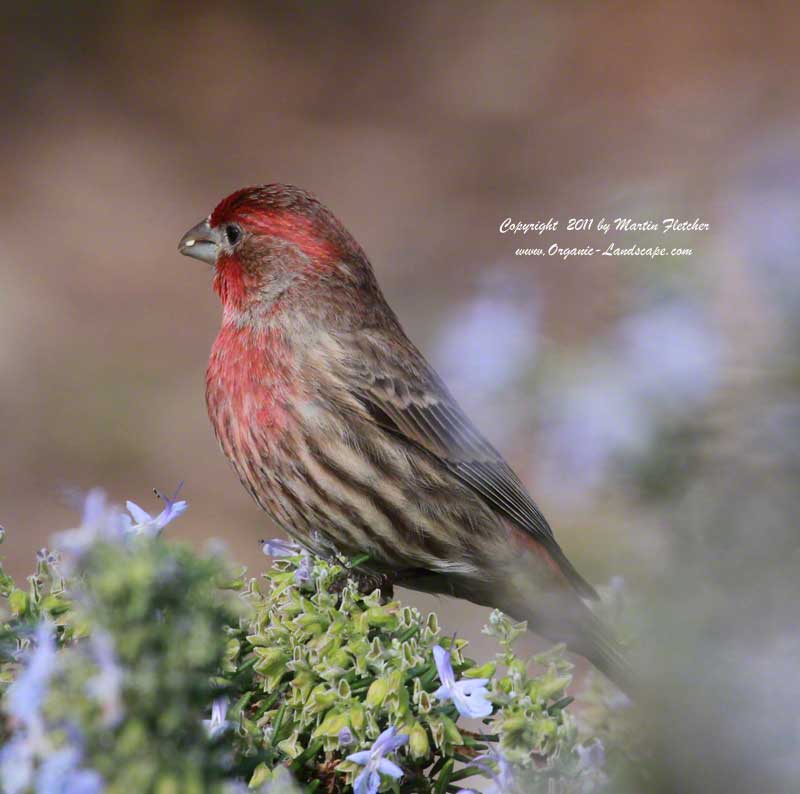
x: 106, y: 685
x: 24, y: 700
x: 346, y: 737
x: 592, y: 762
x: 97, y: 512
x: 659, y: 365
x: 25, y: 696
x: 105, y: 523
x: 489, y: 340
x: 217, y: 724
x: 467, y: 695
x: 45, y: 557
x: 617, y: 700
x: 487, y: 344
x: 374, y: 762
x: 278, y: 547
x: 61, y: 774
x: 502, y: 776
x: 591, y: 756
x: 16, y: 765
x: 671, y: 354
x: 589, y: 424
x: 101, y: 522
x: 303, y: 572
x: 142, y: 523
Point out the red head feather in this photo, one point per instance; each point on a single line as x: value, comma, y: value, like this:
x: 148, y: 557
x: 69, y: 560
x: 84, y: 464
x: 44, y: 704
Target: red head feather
x: 289, y: 214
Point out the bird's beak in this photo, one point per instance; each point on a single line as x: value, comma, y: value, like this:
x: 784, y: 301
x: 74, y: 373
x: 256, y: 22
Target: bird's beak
x: 201, y: 242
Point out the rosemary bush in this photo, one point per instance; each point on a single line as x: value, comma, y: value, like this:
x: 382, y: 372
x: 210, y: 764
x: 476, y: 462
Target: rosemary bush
x: 133, y: 664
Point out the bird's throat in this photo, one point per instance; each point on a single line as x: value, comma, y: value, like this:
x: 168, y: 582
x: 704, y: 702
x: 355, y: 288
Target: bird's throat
x: 230, y: 283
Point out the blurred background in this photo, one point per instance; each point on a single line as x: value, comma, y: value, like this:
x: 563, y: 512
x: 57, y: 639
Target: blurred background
x: 653, y: 406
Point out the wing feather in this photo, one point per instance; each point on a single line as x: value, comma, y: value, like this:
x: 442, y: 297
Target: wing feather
x: 400, y: 392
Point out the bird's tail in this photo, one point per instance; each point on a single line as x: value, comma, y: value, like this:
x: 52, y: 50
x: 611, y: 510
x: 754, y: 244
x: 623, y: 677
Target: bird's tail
x: 557, y: 613
x: 572, y: 622
x: 596, y: 641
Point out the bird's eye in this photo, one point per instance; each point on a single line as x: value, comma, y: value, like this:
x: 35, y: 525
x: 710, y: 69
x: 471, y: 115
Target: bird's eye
x: 233, y: 234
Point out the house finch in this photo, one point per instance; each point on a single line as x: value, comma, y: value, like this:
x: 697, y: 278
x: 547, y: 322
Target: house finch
x: 344, y: 434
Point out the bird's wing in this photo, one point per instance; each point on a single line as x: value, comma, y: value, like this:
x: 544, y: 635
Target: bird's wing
x: 400, y: 392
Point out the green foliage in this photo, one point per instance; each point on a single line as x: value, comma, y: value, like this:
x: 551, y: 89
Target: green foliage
x: 158, y: 608
x: 149, y: 634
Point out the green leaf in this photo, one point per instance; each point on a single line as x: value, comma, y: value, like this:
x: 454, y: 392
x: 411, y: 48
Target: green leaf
x: 444, y: 777
x: 18, y: 602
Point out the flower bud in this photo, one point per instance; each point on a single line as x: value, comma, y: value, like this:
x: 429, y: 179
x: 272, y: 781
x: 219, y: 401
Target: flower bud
x: 379, y: 617
x: 451, y: 733
x: 484, y: 671
x: 550, y: 686
x: 343, y: 689
x: 515, y: 724
x: 18, y: 601
x: 332, y: 725
x: 357, y: 717
x: 322, y: 698
x: 377, y: 692
x: 425, y: 703
x: 418, y: 741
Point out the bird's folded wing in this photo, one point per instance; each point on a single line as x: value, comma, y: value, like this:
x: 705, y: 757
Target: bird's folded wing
x: 400, y: 393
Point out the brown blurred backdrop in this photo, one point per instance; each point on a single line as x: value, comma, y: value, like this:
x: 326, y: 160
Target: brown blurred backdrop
x: 617, y: 387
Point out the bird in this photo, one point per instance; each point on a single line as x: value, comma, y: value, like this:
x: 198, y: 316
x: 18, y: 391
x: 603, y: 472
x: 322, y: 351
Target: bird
x: 344, y: 434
